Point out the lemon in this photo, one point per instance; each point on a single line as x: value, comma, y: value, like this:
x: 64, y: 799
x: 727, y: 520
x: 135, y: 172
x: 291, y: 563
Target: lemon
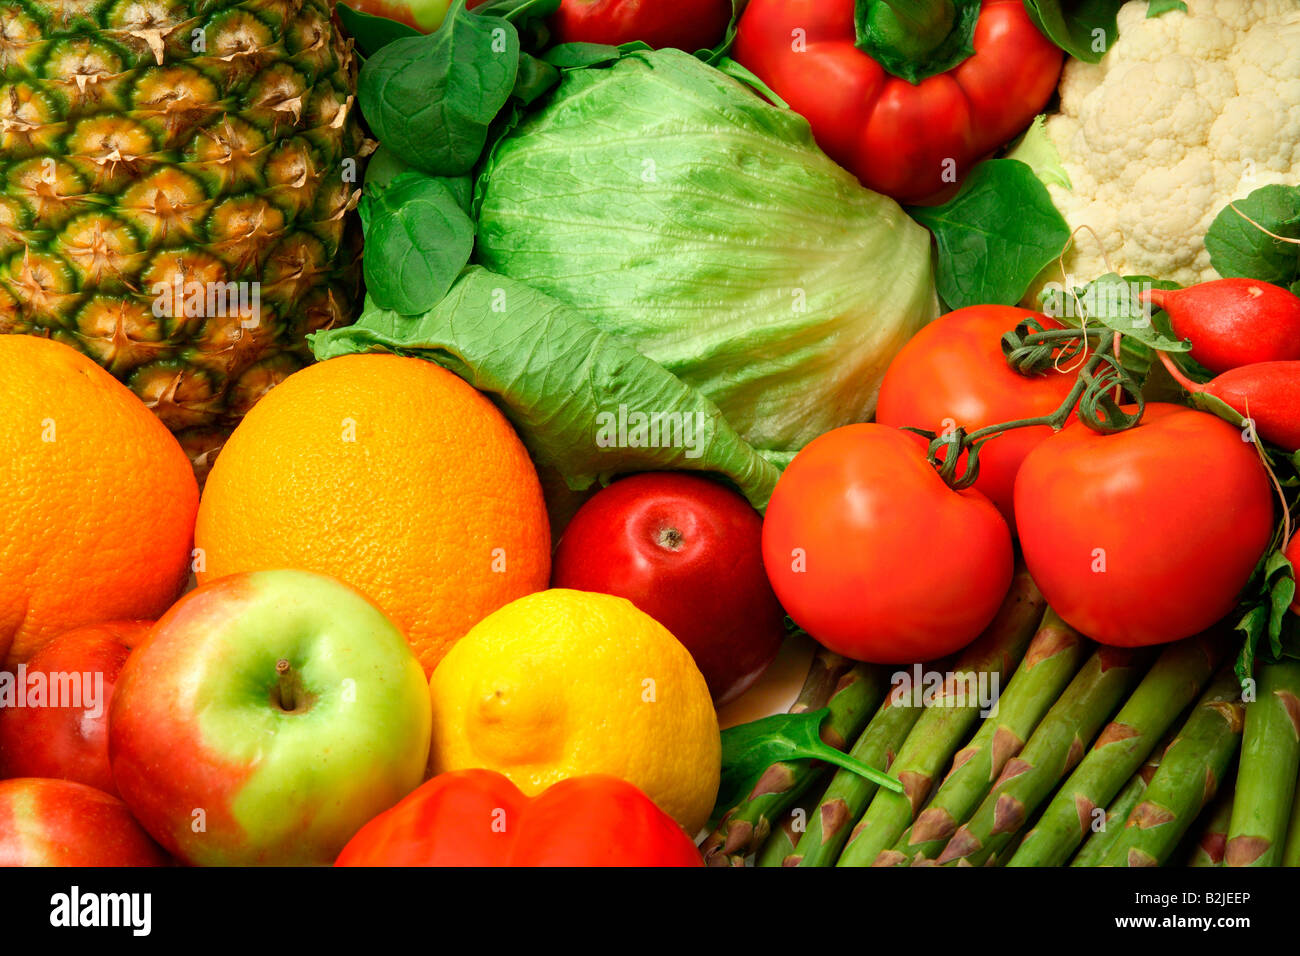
x: 566, y: 683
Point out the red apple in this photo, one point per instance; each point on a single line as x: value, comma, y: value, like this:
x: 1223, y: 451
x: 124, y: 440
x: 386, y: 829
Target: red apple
x: 689, y: 25
x: 268, y: 717
x: 686, y: 551
x: 61, y: 823
x: 63, y: 732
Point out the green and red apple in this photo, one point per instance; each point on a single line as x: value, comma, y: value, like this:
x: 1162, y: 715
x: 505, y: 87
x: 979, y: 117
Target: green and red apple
x: 425, y: 15
x: 266, y: 719
x: 61, y: 823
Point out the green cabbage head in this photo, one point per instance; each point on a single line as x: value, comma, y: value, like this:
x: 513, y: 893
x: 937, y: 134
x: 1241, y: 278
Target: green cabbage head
x: 670, y: 205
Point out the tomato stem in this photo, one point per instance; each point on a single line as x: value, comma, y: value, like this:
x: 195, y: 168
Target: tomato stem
x: 1096, y: 393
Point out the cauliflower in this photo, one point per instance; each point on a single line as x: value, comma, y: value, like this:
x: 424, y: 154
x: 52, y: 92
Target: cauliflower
x: 1185, y: 113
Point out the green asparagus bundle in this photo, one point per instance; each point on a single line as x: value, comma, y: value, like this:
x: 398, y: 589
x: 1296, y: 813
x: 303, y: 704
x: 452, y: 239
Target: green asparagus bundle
x: 848, y: 793
x: 1055, y: 747
x: 851, y: 691
x: 1209, y: 846
x: 1266, y: 777
x: 1172, y: 683
x: 1188, y: 777
x: 946, y: 723
x: 1106, y: 831
x: 1053, y: 656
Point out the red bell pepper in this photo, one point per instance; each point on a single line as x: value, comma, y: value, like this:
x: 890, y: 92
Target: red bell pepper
x: 906, y: 94
x: 480, y: 818
x: 689, y: 25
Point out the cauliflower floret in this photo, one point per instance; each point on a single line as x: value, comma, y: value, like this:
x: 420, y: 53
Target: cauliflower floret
x: 1186, y: 113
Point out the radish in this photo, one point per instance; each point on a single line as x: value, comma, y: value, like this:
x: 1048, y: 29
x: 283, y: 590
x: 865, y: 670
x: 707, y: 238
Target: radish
x: 1233, y: 322
x: 1268, y: 393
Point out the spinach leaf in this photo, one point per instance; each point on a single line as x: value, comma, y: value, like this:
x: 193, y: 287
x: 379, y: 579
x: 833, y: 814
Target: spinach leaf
x: 580, y: 398
x: 1159, y: 7
x: 574, y: 56
x: 418, y: 239
x: 372, y: 33
x: 431, y: 99
x: 995, y: 235
x: 534, y: 78
x: 1085, y: 29
x: 1239, y: 248
x: 749, y: 749
x: 1268, y: 626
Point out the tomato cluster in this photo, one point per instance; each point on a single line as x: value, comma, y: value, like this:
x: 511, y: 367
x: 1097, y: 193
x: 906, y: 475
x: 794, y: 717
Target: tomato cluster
x: 1137, y: 536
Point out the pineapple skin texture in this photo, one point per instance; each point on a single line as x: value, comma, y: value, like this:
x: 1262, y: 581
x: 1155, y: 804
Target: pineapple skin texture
x: 178, y: 180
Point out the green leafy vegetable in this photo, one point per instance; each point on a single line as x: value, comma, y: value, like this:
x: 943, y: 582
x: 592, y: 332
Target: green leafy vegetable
x: 584, y: 402
x: 1037, y: 151
x: 1115, y: 303
x: 664, y: 202
x: 431, y: 99
x: 1239, y: 248
x: 1158, y: 7
x: 995, y: 235
x: 372, y: 33
x: 534, y: 78
x: 749, y: 749
x: 1085, y: 29
x: 418, y: 239
x: 574, y: 56
x: 1269, y: 627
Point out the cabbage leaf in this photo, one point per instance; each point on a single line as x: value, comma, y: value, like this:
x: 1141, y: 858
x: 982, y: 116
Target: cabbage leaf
x: 584, y: 402
x: 664, y: 202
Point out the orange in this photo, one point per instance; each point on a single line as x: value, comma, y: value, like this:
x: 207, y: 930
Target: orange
x: 388, y: 473
x: 97, y: 500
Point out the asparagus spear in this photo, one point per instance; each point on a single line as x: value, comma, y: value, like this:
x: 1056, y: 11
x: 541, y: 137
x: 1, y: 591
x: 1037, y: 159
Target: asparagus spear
x: 1172, y: 683
x: 1056, y: 745
x: 1209, y: 846
x: 1188, y: 777
x: 1291, y: 855
x: 848, y: 794
x: 942, y: 727
x: 1266, y: 778
x: 1098, y: 844
x: 1053, y: 656
x: 786, y: 834
x: 850, y: 691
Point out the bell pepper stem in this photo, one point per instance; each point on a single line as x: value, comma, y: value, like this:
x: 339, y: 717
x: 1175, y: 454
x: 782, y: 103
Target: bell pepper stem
x: 916, y: 39
x: 927, y: 21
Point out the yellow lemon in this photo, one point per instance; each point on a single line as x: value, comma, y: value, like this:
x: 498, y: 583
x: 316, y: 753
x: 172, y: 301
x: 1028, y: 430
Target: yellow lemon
x: 565, y: 683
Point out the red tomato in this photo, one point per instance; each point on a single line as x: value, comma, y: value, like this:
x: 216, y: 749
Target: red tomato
x: 689, y: 25
x: 1147, y: 535
x: 953, y: 371
x: 480, y: 818
x: 875, y: 556
x: 908, y: 141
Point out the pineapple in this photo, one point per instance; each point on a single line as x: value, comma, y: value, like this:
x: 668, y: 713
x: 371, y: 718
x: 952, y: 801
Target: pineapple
x: 178, y: 184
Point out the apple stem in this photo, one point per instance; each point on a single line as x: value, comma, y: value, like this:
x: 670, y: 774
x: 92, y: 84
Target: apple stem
x: 288, y: 685
x: 670, y: 538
